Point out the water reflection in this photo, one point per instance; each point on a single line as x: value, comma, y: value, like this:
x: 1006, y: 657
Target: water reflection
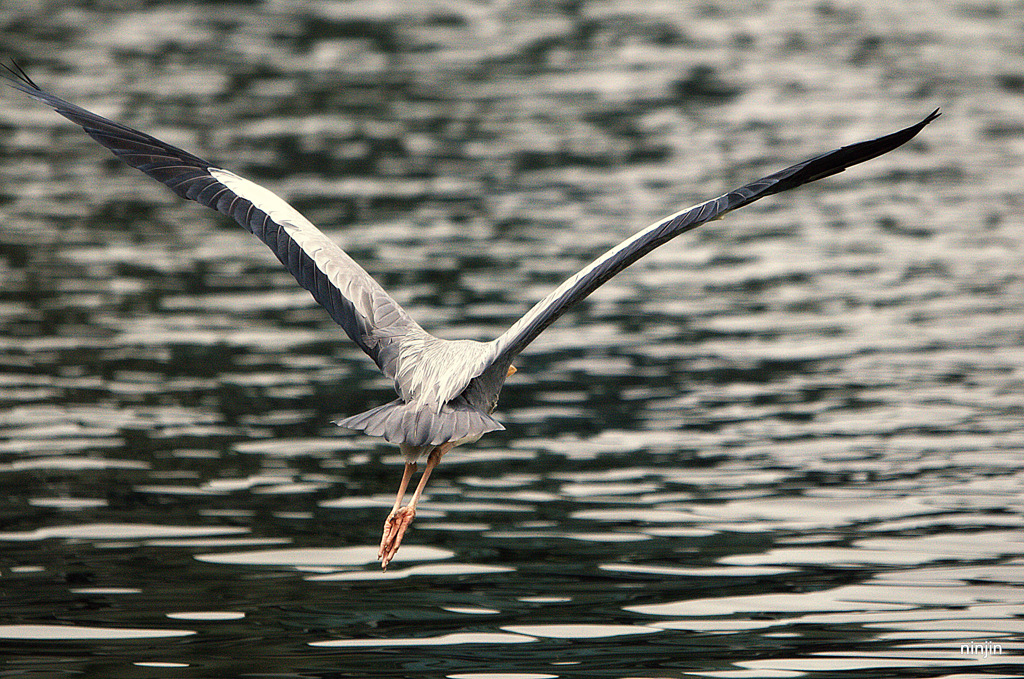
x: 77, y: 633
x: 454, y: 639
x: 413, y: 571
x: 207, y: 616
x: 788, y: 445
x: 112, y: 531
x: 344, y: 556
x: 579, y: 631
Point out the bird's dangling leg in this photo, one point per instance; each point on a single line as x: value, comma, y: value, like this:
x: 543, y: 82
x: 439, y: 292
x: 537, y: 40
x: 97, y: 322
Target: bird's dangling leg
x: 400, y: 519
x: 410, y: 469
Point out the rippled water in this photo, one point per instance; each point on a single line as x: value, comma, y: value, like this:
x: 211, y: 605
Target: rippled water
x: 787, y: 444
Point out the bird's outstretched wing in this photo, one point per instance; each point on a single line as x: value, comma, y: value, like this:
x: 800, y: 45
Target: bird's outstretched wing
x: 374, y: 321
x: 569, y: 293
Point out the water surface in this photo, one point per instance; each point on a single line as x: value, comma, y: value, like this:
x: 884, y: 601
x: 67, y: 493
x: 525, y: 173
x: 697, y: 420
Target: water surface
x: 785, y: 445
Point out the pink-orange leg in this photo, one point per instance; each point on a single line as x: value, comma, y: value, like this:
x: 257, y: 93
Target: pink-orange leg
x: 410, y: 469
x: 400, y: 519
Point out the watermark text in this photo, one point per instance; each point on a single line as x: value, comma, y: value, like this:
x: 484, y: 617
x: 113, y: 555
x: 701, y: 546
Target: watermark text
x: 981, y: 649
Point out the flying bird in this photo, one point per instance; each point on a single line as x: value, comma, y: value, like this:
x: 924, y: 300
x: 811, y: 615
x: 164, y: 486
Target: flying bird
x: 447, y: 390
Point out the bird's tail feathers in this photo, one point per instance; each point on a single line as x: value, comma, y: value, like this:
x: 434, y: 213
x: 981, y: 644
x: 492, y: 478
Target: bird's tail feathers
x: 399, y: 422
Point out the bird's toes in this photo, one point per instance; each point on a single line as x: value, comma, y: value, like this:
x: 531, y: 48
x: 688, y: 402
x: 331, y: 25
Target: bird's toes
x: 394, y: 530
x: 387, y: 538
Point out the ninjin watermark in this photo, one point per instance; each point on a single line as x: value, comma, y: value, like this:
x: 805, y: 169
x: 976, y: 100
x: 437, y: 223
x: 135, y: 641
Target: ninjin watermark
x: 982, y: 649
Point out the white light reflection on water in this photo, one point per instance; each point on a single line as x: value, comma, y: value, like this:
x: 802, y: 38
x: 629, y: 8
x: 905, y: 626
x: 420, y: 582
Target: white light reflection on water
x: 453, y: 639
x: 471, y: 611
x: 580, y: 631
x: 838, y: 662
x: 207, y: 616
x: 118, y: 531
x: 341, y: 556
x: 83, y: 633
x: 413, y: 571
x: 697, y: 571
x: 839, y: 599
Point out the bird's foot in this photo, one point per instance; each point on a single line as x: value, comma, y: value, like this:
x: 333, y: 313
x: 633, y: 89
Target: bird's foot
x: 394, y: 530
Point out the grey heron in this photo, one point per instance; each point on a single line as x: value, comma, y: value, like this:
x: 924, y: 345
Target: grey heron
x: 447, y: 390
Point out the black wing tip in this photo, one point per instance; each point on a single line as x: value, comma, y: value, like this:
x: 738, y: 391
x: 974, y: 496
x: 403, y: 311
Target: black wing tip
x: 834, y: 162
x: 18, y: 78
x: 891, y: 142
x: 930, y: 117
x: 896, y: 139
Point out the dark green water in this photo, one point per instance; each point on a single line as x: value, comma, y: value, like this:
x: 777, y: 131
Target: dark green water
x: 788, y: 444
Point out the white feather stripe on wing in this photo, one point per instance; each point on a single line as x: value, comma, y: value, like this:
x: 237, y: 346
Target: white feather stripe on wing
x: 264, y: 199
x: 362, y: 307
